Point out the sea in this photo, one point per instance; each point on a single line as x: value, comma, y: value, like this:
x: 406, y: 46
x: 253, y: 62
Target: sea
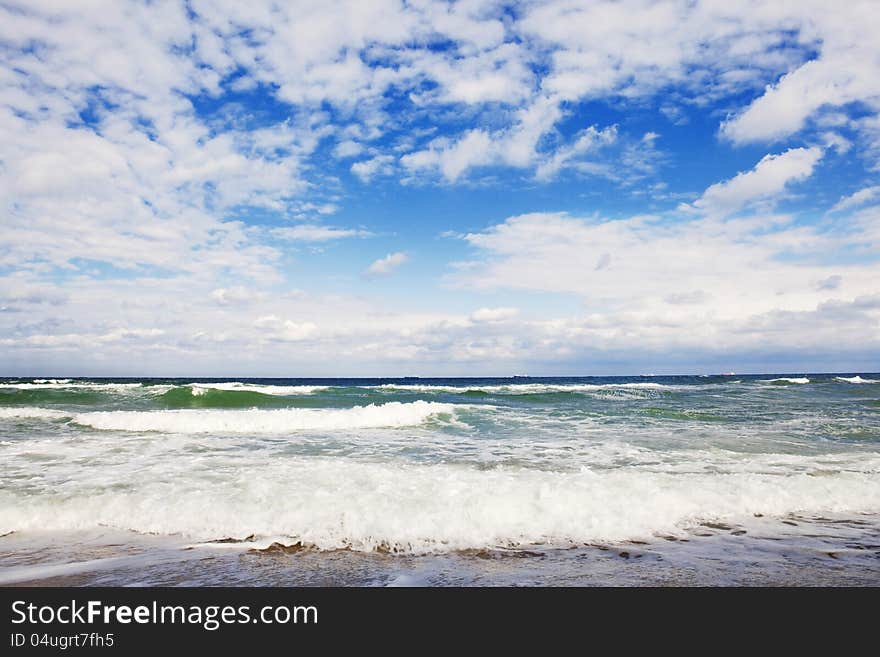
x: 723, y: 480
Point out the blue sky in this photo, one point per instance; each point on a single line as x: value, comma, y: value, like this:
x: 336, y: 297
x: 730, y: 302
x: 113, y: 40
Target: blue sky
x: 438, y: 188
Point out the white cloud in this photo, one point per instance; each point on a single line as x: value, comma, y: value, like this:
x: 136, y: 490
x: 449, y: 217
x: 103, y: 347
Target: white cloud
x: 665, y: 298
x: 368, y: 169
x: 120, y: 189
x: 295, y: 331
x: 767, y: 180
x: 268, y: 321
x: 836, y: 142
x: 385, y: 266
x: 494, y: 314
x: 519, y: 72
x: 66, y: 341
x: 317, y: 233
x: 348, y: 148
x: 856, y: 199
x: 674, y: 282
x: 846, y: 71
x: 515, y: 145
x: 233, y: 295
x: 275, y: 328
x: 588, y: 140
x: 476, y: 148
x: 496, y: 75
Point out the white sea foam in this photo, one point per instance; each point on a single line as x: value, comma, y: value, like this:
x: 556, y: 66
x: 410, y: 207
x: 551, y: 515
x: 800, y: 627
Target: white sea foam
x: 527, y: 388
x: 51, y: 384
x: 392, y: 414
x: 338, y: 502
x: 31, y: 412
x: 784, y: 379
x: 202, y: 388
x: 856, y: 379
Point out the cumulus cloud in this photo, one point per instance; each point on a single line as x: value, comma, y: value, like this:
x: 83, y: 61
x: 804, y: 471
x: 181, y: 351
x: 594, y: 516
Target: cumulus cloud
x: 348, y: 148
x: 672, y: 280
x: 386, y: 266
x: 137, y: 163
x: 527, y: 69
x: 368, y: 169
x: 475, y: 148
x: 768, y: 179
x: 844, y: 72
x: 857, y: 199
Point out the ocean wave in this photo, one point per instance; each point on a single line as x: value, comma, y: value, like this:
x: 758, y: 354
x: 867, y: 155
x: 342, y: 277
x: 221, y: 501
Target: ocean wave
x: 57, y: 384
x: 342, y: 503
x: 525, y: 388
x: 784, y: 380
x: 188, y: 397
x: 392, y: 414
x: 855, y: 379
x: 238, y: 386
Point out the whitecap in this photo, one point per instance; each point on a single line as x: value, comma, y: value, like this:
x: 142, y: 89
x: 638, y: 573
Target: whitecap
x: 31, y: 412
x: 526, y: 388
x: 59, y: 384
x: 784, y: 379
x: 333, y: 503
x: 392, y: 414
x: 855, y: 379
x: 202, y: 388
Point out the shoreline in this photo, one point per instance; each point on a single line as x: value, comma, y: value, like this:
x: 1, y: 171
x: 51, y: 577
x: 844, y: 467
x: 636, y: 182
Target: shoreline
x: 833, y: 550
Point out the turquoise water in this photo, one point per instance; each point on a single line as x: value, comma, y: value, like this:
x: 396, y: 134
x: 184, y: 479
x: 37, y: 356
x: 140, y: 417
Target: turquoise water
x: 418, y: 480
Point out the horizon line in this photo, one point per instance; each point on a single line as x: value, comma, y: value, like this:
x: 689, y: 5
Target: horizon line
x: 508, y: 376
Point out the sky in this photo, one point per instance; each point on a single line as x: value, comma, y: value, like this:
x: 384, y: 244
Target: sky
x: 432, y: 188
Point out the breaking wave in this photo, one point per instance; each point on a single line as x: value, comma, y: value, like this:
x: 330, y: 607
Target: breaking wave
x: 392, y: 414
x: 783, y: 380
x: 340, y: 503
x: 525, y: 388
x: 53, y: 384
x: 237, y: 386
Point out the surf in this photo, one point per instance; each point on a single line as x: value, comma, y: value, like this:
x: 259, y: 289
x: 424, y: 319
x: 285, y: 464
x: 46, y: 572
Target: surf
x: 340, y: 503
x: 256, y: 421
